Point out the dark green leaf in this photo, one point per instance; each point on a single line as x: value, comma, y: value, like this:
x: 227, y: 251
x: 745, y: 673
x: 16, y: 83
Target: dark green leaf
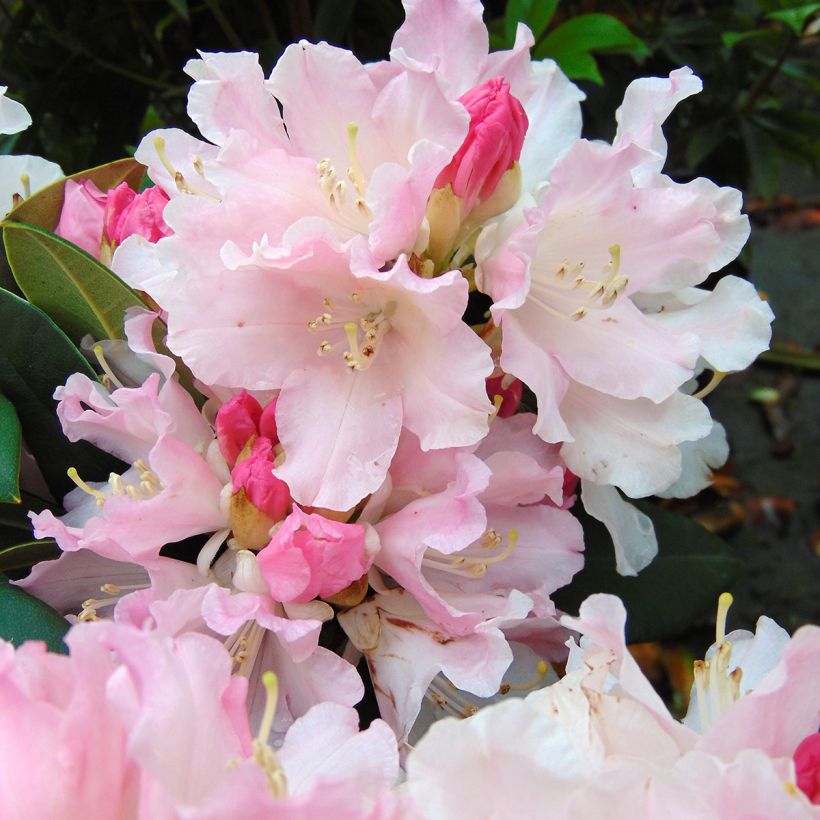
x: 535, y: 13
x: 23, y: 618
x: 36, y: 358
x: 692, y: 568
x: 795, y: 18
x: 732, y: 38
x: 764, y: 158
x: 704, y: 140
x: 570, y: 44
x: 9, y: 452
x: 43, y: 209
x: 27, y: 554
x: 80, y: 294
x: 181, y: 8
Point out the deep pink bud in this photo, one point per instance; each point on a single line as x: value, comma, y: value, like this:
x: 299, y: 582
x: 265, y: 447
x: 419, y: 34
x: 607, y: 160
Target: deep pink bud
x: 267, y: 423
x: 236, y: 421
x: 310, y: 555
x: 493, y: 143
x: 81, y: 219
x: 510, y: 389
x: 263, y: 489
x: 807, y: 766
x: 128, y: 213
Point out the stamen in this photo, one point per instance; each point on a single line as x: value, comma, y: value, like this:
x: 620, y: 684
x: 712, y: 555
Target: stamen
x: 263, y: 753
x: 724, y: 602
x: 209, y: 550
x: 106, y: 368
x: 541, y: 669
x: 179, y: 180
x: 352, y: 334
x: 98, y: 495
x: 25, y: 181
x: 354, y: 172
x: 717, y: 377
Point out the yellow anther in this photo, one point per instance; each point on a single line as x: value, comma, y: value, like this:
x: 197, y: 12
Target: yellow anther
x: 25, y: 181
x: 724, y: 602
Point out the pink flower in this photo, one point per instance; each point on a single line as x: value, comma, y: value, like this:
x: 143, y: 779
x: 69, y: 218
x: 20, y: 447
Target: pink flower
x: 492, y: 145
x: 128, y: 212
x: 312, y: 556
x: 98, y: 221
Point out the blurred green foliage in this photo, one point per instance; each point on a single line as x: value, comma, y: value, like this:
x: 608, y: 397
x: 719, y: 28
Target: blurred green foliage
x: 95, y: 75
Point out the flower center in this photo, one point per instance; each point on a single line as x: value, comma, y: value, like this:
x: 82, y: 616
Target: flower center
x: 568, y: 280
x: 338, y: 190
x: 470, y: 565
x: 353, y: 329
x: 717, y: 688
x: 147, y: 486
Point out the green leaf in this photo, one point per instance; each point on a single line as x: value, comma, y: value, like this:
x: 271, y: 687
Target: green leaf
x: 692, y: 568
x: 80, y: 294
x: 795, y: 18
x: 36, y: 358
x: 703, y: 141
x: 27, y: 554
x: 43, y: 209
x: 23, y: 617
x: 571, y: 44
x: 10, y: 439
x: 535, y: 13
x: 732, y: 38
x: 764, y: 158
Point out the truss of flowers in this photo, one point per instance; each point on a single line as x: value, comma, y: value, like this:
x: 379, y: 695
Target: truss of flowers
x: 302, y: 387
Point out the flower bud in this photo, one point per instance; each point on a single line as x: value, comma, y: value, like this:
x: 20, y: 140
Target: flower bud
x: 127, y: 213
x: 509, y: 389
x: 236, y: 421
x: 492, y: 145
x: 807, y: 767
x: 254, y: 475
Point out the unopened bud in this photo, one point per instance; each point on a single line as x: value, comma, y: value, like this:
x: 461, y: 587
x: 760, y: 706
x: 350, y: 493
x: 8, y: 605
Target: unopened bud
x: 493, y: 143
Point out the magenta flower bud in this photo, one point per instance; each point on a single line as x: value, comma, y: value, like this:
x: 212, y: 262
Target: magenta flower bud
x: 263, y: 489
x: 236, y: 421
x: 127, y: 213
x: 807, y: 767
x: 492, y: 145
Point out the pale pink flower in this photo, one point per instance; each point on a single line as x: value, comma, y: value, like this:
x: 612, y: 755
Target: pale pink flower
x: 357, y: 356
x: 600, y: 742
x: 138, y: 724
x: 477, y: 542
x: 574, y: 282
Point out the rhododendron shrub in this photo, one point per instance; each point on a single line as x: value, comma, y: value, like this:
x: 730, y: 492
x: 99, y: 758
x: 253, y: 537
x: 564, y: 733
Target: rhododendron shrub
x: 389, y: 327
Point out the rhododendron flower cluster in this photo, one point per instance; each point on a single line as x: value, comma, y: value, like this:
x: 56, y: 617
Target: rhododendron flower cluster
x: 331, y: 482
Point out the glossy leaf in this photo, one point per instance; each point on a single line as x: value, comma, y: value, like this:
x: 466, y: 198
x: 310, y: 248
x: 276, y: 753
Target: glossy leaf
x: 43, y: 209
x: 27, y: 554
x: 692, y: 568
x: 23, y: 617
x: 37, y: 357
x: 571, y: 44
x: 80, y: 294
x: 10, y: 440
x: 795, y: 18
x: 535, y: 13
